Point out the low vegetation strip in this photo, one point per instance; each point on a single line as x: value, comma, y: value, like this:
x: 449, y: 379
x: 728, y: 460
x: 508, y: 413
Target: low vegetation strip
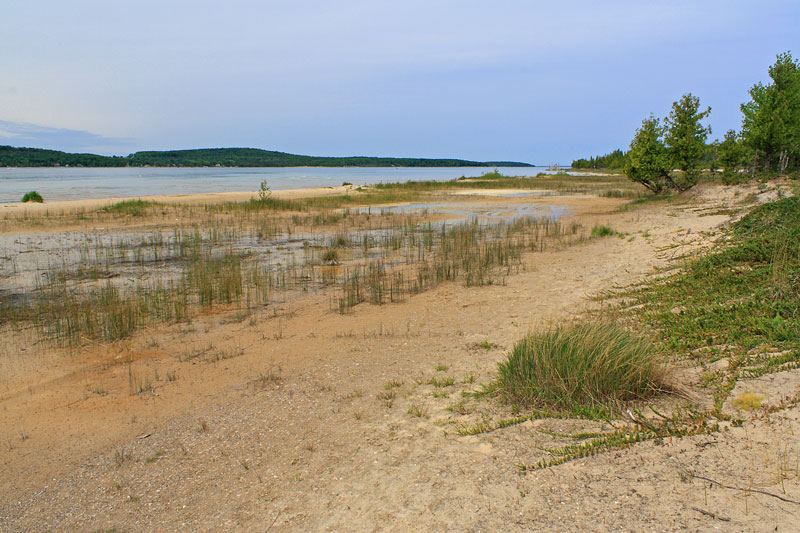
x: 742, y: 296
x: 740, y: 302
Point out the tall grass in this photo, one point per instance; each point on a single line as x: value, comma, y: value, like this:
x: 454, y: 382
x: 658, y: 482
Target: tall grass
x: 580, y: 366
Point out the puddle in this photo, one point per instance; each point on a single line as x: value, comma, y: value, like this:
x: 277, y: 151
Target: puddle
x: 484, y: 212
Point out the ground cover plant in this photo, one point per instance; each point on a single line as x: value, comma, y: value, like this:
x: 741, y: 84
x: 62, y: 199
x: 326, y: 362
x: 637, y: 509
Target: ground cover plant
x: 741, y: 301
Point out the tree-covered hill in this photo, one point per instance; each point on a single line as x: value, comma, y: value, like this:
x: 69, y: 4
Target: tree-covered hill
x: 226, y: 157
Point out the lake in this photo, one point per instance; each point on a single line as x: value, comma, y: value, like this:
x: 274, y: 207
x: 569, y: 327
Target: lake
x: 60, y: 183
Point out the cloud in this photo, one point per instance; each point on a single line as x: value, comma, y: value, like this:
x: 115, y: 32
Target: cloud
x: 35, y: 136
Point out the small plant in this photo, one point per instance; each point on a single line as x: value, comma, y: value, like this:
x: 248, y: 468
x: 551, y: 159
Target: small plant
x: 330, y: 256
x: 602, y: 231
x: 459, y: 408
x: 748, y: 401
x: 264, y: 192
x: 448, y: 381
x: 32, y: 196
x: 120, y: 456
x: 441, y: 368
x: 203, y: 427
x: 420, y: 412
x: 486, y: 345
x: 155, y: 457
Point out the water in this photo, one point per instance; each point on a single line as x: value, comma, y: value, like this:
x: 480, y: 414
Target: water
x: 482, y: 212
x: 81, y: 183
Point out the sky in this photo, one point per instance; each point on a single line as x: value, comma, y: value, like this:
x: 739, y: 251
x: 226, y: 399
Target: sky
x: 534, y: 81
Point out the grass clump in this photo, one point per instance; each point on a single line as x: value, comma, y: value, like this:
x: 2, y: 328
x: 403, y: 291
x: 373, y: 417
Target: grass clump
x: 32, y: 196
x: 602, y: 231
x: 134, y: 208
x: 580, y: 367
x: 748, y: 401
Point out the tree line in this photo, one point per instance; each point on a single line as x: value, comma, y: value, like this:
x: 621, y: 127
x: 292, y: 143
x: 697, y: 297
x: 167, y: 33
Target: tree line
x: 672, y: 154
x: 225, y: 157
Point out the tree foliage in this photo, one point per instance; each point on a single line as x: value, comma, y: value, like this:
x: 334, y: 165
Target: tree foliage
x: 771, y: 119
x: 611, y: 160
x: 647, y: 161
x: 685, y: 137
x: 679, y: 143
x: 226, y: 157
x: 731, y: 156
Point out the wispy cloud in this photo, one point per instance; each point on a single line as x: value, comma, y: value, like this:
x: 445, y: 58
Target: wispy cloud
x: 36, y: 136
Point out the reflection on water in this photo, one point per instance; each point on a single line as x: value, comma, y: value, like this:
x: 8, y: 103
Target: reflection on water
x: 82, y: 183
x: 482, y: 212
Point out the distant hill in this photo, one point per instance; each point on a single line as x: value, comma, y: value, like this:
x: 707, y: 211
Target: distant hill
x: 225, y: 157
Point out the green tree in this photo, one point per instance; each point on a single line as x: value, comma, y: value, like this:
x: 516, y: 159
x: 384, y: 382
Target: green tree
x: 647, y: 161
x: 732, y: 156
x: 685, y: 138
x: 771, y: 119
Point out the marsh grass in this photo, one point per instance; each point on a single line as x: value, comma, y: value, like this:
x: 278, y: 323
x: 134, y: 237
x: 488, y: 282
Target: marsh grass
x: 575, y: 367
x: 108, y: 286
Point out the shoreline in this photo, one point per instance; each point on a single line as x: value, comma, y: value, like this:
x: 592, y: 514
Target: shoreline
x: 187, y: 199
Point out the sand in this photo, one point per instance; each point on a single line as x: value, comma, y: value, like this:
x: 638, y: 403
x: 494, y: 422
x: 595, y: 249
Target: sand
x: 70, y: 206
x: 330, y: 422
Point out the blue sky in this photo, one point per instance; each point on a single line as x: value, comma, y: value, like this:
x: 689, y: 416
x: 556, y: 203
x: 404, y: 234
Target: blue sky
x: 542, y: 82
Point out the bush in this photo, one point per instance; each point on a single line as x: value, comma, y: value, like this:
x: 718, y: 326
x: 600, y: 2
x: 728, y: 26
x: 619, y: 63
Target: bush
x: 32, y: 196
x: 574, y: 367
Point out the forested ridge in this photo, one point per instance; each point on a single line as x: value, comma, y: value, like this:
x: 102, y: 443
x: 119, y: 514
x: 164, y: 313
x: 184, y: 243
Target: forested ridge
x: 226, y: 157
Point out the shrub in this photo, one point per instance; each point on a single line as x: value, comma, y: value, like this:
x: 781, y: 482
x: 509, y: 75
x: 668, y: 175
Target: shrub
x: 573, y: 367
x: 32, y: 196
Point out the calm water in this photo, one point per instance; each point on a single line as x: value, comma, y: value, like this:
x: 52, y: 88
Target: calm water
x: 78, y: 183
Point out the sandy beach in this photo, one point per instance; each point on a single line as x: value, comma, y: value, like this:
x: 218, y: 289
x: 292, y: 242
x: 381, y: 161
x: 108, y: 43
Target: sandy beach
x: 71, y: 206
x: 295, y: 416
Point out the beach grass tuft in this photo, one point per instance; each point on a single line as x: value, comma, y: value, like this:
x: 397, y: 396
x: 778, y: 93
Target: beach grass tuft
x: 578, y: 366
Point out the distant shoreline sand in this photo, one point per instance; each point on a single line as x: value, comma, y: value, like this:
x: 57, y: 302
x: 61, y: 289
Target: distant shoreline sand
x: 189, y: 199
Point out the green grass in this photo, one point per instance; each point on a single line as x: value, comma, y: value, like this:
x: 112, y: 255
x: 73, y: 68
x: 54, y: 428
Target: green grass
x: 135, y: 208
x: 580, y: 368
x: 602, y: 231
x: 32, y: 196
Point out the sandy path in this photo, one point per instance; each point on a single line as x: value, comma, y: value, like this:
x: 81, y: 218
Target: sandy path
x: 293, y: 434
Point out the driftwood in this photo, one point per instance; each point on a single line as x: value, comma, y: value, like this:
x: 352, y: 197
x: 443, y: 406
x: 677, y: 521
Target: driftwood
x: 712, y: 515
x: 733, y: 487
